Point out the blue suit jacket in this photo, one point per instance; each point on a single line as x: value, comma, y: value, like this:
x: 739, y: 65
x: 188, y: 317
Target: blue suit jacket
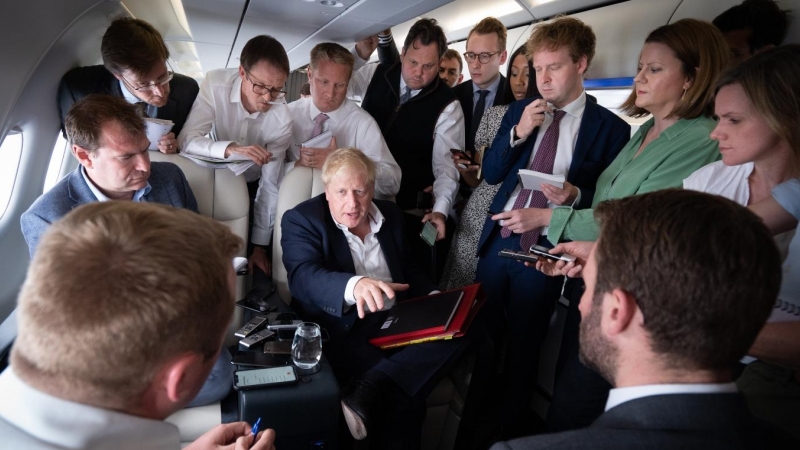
x: 600, y: 138
x: 319, y: 264
x: 169, y: 186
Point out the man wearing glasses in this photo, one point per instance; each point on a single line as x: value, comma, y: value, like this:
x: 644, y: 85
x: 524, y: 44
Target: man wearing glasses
x: 135, y: 67
x: 242, y: 112
x: 486, y: 52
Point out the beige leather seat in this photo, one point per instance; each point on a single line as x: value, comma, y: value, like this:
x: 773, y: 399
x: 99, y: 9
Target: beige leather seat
x: 223, y: 196
x: 446, y: 402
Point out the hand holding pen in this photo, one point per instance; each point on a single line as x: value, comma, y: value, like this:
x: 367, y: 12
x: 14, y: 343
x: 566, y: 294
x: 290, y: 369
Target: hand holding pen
x: 235, y: 436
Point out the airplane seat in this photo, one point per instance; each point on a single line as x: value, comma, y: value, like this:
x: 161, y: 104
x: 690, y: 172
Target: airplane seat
x: 445, y: 404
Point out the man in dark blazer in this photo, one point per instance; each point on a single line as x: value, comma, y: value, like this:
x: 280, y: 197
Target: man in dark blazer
x: 486, y: 52
x: 346, y: 261
x: 135, y: 67
x: 583, y: 142
x: 666, y: 328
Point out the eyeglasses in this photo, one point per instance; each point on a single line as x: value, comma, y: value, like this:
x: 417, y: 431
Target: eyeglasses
x: 260, y: 89
x: 150, y: 86
x: 484, y: 57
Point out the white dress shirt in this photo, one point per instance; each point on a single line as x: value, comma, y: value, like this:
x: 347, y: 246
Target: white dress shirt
x: 449, y: 133
x: 352, y: 127
x: 489, y: 100
x: 567, y: 138
x: 218, y: 118
x: 622, y: 395
x: 31, y: 419
x: 368, y: 257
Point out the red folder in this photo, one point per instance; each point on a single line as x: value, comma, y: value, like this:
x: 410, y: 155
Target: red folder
x: 471, y: 301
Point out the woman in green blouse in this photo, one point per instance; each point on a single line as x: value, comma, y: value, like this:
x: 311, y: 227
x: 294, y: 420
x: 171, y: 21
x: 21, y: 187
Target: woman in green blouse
x: 678, y: 67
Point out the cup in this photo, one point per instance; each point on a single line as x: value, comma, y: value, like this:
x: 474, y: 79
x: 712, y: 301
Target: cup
x: 307, y: 345
x: 155, y: 129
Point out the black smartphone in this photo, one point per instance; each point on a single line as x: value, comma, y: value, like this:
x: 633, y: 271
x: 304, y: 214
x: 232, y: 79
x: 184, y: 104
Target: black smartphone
x: 278, y: 347
x: 429, y: 233
x: 257, y: 359
x: 259, y: 378
x: 544, y: 252
x: 519, y: 255
x: 463, y: 155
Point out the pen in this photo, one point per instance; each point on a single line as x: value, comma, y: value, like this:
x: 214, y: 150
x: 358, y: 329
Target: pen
x: 255, y: 427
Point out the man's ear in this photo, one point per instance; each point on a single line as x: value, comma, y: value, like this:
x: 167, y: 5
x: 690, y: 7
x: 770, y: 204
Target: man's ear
x: 503, y: 57
x: 83, y: 156
x: 178, y: 379
x: 242, y: 72
x: 583, y: 64
x: 460, y: 79
x: 619, y: 309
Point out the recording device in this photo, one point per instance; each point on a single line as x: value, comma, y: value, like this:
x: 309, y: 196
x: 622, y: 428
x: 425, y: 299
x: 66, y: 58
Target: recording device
x: 429, y: 233
x: 258, y: 359
x: 251, y: 327
x: 256, y: 299
x: 255, y: 338
x: 278, y: 347
x: 258, y: 378
x: 283, y: 321
x: 538, y: 250
x: 519, y: 255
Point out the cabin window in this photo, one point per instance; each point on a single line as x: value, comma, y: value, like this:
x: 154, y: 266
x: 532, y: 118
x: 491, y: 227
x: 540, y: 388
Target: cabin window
x: 56, y: 160
x: 10, y: 151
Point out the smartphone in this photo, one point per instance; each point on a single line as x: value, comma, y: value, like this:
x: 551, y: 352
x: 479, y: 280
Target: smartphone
x: 278, y: 347
x: 257, y: 359
x: 283, y: 321
x: 428, y: 233
x: 519, y: 255
x: 259, y: 378
x: 544, y: 252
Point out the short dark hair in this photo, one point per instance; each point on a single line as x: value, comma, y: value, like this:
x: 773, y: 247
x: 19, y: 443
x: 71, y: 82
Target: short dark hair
x: 453, y: 54
x: 132, y: 44
x: 427, y: 32
x: 768, y: 22
x: 86, y: 118
x: 264, y: 48
x: 305, y: 89
x: 704, y: 271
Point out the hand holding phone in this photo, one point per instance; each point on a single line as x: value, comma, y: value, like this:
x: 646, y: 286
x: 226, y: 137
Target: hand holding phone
x: 544, y: 252
x: 519, y: 255
x: 429, y: 233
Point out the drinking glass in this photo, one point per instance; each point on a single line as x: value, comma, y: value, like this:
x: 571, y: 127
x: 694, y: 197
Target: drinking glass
x: 307, y: 345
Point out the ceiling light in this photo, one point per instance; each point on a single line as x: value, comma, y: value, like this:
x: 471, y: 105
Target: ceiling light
x: 332, y: 3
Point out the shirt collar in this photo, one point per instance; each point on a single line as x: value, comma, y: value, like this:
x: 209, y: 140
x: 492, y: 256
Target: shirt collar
x: 403, y: 87
x: 622, y: 395
x: 127, y: 94
x: 137, y: 196
x: 574, y: 108
x: 677, y: 128
x: 491, y: 88
x: 313, y: 111
x: 374, y: 216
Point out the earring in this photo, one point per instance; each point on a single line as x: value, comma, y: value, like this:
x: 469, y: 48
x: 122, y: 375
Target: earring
x: 684, y: 94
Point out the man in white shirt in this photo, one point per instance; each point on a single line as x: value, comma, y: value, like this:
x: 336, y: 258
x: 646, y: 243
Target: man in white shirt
x: 348, y: 257
x: 243, y: 112
x: 421, y: 120
x: 111, y: 339
x: 666, y: 327
x: 329, y: 73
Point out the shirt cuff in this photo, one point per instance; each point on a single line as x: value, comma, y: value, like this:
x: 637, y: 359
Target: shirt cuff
x: 442, y: 205
x: 218, y: 149
x: 577, y: 198
x: 349, y: 297
x: 260, y: 236
x: 514, y: 133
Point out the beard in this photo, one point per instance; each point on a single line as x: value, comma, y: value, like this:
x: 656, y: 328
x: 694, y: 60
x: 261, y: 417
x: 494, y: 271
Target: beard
x: 595, y: 350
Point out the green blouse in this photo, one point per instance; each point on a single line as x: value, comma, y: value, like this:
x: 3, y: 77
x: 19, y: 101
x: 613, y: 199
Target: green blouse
x: 677, y: 152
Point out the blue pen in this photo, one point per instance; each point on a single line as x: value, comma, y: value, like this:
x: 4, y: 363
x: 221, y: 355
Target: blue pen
x: 255, y: 427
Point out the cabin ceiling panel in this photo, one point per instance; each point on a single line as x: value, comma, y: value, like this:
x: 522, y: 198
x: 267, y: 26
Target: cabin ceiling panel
x: 214, y: 21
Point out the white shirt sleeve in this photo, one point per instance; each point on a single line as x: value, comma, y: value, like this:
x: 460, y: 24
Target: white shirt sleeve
x: 349, y: 296
x: 388, y: 173
x: 194, y: 138
x: 449, y: 133
x: 359, y: 82
x: 272, y: 173
x: 358, y: 62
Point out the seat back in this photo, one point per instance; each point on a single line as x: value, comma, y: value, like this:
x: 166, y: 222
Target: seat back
x: 222, y: 196
x: 299, y: 185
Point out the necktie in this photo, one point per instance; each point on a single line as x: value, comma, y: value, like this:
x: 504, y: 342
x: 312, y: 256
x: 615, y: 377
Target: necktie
x: 477, y: 115
x: 542, y: 162
x: 141, y: 109
x: 406, y: 95
x: 318, y: 122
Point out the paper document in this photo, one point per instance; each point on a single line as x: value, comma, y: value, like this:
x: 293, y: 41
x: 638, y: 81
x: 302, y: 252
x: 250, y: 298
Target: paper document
x: 156, y: 128
x: 321, y: 141
x: 237, y: 167
x: 533, y: 180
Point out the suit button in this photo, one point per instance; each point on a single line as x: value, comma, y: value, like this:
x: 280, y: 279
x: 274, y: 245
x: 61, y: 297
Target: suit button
x: 347, y: 327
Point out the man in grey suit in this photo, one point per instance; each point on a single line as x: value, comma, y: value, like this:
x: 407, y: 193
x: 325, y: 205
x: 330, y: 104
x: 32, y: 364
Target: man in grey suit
x: 114, y: 165
x: 677, y: 287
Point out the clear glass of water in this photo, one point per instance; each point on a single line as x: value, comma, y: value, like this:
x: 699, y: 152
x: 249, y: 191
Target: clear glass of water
x: 307, y: 345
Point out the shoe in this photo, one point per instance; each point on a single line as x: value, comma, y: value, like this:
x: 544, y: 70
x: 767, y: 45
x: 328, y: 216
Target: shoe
x: 362, y: 396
